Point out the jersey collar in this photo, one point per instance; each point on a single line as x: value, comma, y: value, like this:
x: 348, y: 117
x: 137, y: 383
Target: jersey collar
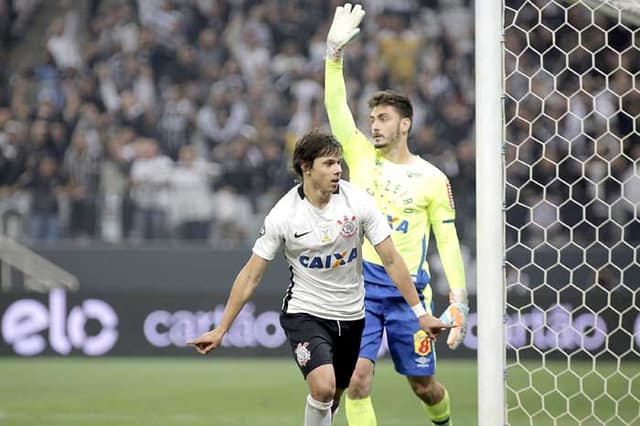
x: 301, y: 191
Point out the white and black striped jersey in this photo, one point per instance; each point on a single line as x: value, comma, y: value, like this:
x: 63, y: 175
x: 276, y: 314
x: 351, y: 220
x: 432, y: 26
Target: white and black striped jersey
x: 324, y: 249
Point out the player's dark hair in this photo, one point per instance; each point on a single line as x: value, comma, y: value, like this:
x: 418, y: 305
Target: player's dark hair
x: 313, y: 145
x: 400, y: 102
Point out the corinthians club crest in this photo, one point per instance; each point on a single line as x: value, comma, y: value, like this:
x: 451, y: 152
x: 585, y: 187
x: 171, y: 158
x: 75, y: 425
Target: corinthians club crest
x: 302, y: 353
x: 348, y: 226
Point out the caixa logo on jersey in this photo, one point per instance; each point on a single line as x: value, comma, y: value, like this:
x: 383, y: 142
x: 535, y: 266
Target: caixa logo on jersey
x: 329, y: 261
x: 25, y: 321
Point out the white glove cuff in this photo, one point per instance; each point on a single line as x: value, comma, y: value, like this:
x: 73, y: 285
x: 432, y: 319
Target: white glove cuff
x: 459, y: 295
x: 334, y: 53
x: 418, y: 310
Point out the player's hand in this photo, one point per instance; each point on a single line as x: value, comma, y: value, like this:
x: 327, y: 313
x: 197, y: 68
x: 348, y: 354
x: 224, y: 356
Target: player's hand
x: 432, y: 325
x: 456, y: 313
x: 207, y: 342
x: 344, y: 26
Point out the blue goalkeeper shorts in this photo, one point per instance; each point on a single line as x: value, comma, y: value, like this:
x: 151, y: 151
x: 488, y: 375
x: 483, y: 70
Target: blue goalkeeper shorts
x: 412, y: 352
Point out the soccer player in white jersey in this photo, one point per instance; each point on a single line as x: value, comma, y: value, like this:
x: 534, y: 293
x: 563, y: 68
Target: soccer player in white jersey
x: 321, y: 224
x: 416, y: 198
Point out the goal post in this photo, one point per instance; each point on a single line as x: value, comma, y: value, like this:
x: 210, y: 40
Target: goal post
x: 489, y: 213
x: 558, y: 165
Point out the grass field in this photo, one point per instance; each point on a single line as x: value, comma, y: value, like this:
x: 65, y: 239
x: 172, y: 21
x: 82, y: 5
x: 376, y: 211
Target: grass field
x: 270, y: 392
x: 192, y: 391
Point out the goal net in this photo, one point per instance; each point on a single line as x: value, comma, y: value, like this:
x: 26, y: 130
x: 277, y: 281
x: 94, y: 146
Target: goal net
x: 571, y: 104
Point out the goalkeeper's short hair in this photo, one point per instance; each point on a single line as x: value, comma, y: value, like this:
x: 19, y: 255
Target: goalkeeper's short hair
x: 397, y: 100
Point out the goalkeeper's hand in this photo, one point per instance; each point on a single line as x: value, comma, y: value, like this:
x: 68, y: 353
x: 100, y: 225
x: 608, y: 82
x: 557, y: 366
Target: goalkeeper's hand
x: 343, y: 28
x: 456, y: 313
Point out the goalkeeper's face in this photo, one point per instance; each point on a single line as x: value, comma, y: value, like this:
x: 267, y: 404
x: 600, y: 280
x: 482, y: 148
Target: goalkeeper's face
x: 388, y: 129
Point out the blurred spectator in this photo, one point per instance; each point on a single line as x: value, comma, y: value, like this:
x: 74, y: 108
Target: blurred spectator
x: 240, y: 158
x: 400, y: 44
x: 44, y: 187
x: 13, y: 151
x: 248, y: 46
x: 631, y: 199
x: 6, y: 17
x: 114, y: 185
x: 224, y: 115
x: 150, y: 173
x: 14, y: 204
x: 63, y: 42
x: 210, y: 54
x: 15, y: 17
x: 176, y: 118
x: 81, y: 168
x: 191, y: 208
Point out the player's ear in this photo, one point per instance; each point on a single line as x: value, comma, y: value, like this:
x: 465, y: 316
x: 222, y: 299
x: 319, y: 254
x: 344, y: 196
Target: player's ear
x: 305, y: 166
x: 405, y: 124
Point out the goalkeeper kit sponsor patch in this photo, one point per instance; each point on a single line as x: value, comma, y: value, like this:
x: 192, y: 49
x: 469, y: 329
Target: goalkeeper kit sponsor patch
x: 421, y: 343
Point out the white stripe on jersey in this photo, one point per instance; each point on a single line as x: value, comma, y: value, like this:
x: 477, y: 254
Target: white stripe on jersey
x: 324, y: 249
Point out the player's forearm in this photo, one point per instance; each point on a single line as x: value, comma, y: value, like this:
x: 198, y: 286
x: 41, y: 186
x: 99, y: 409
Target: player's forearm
x: 242, y: 290
x: 451, y: 257
x: 399, y: 273
x: 335, y: 100
x: 402, y: 279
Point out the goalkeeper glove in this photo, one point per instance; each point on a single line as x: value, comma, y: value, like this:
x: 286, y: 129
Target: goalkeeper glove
x: 456, y: 314
x: 343, y: 28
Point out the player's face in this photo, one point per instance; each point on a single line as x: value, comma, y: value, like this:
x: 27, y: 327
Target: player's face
x: 325, y: 173
x: 386, y: 126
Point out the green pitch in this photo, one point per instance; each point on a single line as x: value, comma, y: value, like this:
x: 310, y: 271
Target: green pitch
x: 196, y: 392
x: 270, y: 392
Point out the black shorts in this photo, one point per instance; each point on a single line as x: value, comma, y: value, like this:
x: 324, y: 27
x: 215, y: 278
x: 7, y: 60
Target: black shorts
x: 317, y: 341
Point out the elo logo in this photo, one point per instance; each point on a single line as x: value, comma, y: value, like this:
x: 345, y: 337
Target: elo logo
x: 25, y: 319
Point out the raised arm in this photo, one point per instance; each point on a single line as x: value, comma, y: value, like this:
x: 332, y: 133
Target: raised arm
x: 343, y: 28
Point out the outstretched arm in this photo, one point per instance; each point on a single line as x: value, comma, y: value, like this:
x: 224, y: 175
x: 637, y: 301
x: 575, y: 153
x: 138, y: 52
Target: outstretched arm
x: 243, y: 288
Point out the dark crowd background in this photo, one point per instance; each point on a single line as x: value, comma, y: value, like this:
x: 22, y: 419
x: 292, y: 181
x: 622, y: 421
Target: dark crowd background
x: 174, y: 119
x: 129, y: 121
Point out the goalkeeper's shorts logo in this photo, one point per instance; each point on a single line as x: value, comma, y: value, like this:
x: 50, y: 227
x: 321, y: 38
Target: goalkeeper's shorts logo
x: 421, y: 343
x: 423, y: 362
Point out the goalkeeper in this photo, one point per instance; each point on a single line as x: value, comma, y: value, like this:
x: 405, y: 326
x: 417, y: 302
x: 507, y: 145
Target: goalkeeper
x: 416, y: 198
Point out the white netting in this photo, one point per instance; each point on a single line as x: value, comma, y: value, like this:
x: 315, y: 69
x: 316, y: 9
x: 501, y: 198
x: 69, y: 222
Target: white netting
x: 572, y: 196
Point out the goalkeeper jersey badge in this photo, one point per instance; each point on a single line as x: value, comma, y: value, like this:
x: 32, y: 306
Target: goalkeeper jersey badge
x: 303, y: 355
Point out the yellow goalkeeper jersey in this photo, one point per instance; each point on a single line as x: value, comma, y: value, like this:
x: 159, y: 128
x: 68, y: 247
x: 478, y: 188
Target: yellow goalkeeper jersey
x: 416, y: 198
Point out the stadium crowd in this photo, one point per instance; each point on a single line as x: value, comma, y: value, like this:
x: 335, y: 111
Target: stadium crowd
x: 175, y: 118
x: 163, y: 119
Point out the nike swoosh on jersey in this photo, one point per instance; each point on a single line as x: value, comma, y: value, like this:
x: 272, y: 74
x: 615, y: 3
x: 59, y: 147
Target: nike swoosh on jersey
x: 296, y: 235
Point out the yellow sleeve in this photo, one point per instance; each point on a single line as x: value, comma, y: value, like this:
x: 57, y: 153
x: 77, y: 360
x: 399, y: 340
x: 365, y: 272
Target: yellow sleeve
x: 442, y: 213
x: 341, y: 119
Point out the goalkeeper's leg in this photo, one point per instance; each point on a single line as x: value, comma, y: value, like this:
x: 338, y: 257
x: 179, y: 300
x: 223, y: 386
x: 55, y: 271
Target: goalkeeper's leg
x: 413, y: 356
x: 358, y: 405
x: 435, y: 398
